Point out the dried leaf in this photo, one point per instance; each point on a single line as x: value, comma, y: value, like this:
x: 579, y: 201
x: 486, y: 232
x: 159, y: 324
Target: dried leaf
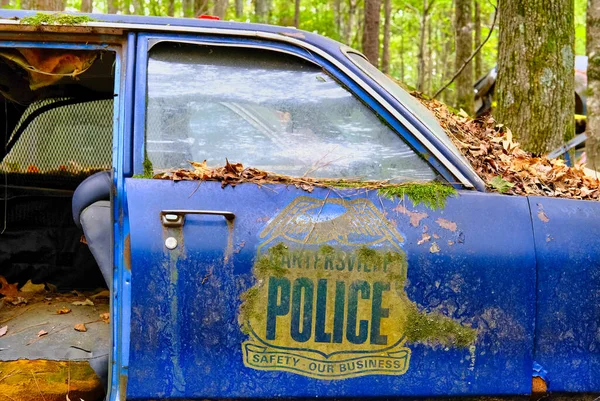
x: 105, y: 317
x: 16, y: 300
x: 29, y: 287
x: 42, y: 333
x: 63, y: 311
x: 80, y: 327
x: 434, y: 248
x: 8, y: 290
x: 87, y: 302
x: 498, y: 159
x: 3, y: 330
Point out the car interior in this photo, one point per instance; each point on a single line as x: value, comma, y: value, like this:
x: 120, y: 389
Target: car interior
x: 56, y: 232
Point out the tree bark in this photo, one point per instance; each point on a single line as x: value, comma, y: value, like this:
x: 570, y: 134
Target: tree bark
x: 387, y: 24
x: 592, y: 145
x: 188, y: 8
x: 446, y: 54
x: 200, y: 7
x: 86, y: 6
x: 337, y: 16
x: 478, y: 57
x: 44, y: 5
x: 464, y: 48
x: 261, y: 10
x: 138, y: 7
x: 171, y: 8
x: 402, y: 70
x: 220, y: 8
x: 113, y: 6
x: 428, y: 59
x: 370, y: 39
x: 351, y: 22
x: 239, y: 8
x: 535, y: 86
x: 421, y: 49
x: 297, y: 13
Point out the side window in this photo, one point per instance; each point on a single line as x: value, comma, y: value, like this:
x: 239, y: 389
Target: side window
x: 266, y: 110
x: 61, y: 140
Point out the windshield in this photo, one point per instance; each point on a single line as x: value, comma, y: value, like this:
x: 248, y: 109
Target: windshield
x: 413, y: 105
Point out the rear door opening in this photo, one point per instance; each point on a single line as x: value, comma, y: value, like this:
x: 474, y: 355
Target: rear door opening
x: 57, y: 108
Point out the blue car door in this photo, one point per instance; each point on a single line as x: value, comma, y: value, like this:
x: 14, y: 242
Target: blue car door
x: 262, y: 290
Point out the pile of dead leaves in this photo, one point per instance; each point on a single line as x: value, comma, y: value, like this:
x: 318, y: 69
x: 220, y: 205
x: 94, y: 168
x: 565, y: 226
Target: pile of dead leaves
x: 235, y: 173
x: 504, y: 166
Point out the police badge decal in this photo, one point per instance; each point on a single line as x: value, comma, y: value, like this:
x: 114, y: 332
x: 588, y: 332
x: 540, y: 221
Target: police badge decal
x: 329, y: 299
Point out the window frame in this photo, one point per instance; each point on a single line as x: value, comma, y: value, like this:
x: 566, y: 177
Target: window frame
x: 147, y: 40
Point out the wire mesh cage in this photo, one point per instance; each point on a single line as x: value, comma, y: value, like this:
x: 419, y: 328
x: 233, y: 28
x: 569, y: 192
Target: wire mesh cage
x: 62, y: 137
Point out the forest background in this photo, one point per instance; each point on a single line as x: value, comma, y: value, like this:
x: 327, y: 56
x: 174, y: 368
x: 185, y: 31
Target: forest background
x: 417, y: 43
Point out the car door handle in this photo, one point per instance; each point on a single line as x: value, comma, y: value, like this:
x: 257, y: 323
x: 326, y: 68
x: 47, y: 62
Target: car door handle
x: 176, y: 218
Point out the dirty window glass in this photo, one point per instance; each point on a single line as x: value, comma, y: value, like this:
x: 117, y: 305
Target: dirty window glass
x: 414, y: 106
x: 266, y: 110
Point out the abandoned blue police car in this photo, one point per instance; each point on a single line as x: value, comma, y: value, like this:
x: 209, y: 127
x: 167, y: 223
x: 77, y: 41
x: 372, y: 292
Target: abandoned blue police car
x: 343, y: 248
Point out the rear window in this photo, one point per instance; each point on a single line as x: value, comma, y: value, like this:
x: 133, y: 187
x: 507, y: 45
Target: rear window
x: 266, y: 110
x: 62, y: 138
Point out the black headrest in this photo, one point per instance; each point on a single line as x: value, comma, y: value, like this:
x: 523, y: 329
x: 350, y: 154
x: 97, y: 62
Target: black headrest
x: 95, y: 188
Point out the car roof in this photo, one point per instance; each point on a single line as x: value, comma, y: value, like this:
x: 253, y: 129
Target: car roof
x: 144, y: 22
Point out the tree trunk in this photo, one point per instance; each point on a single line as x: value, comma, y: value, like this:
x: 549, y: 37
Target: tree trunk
x: 188, y: 8
x: 351, y: 21
x: 428, y: 59
x: 446, y: 54
x: 239, y: 8
x: 592, y: 145
x: 478, y: 56
x: 421, y: 49
x: 337, y: 16
x: 261, y: 10
x: 200, y: 7
x: 86, y: 6
x: 402, y: 72
x: 387, y: 24
x: 535, y: 86
x: 45, y: 5
x: 138, y: 7
x: 112, y: 6
x: 171, y: 8
x: 220, y: 8
x: 297, y: 14
x: 5, y: 3
x: 370, y: 39
x: 464, y: 48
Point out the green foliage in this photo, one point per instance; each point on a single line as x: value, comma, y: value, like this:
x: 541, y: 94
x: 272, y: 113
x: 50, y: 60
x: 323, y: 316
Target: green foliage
x: 56, y: 19
x: 322, y: 17
x: 500, y: 184
x: 431, y: 194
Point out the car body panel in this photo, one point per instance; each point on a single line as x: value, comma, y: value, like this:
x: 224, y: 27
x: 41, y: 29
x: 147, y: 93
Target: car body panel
x: 567, y: 342
x: 186, y: 339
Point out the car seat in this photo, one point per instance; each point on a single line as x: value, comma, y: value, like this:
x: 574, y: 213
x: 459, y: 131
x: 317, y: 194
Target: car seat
x: 92, y: 212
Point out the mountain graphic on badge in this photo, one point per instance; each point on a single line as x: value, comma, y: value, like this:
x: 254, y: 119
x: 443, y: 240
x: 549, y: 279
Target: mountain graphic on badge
x: 329, y: 300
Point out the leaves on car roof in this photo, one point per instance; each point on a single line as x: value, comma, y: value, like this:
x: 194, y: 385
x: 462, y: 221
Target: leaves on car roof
x: 504, y: 166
